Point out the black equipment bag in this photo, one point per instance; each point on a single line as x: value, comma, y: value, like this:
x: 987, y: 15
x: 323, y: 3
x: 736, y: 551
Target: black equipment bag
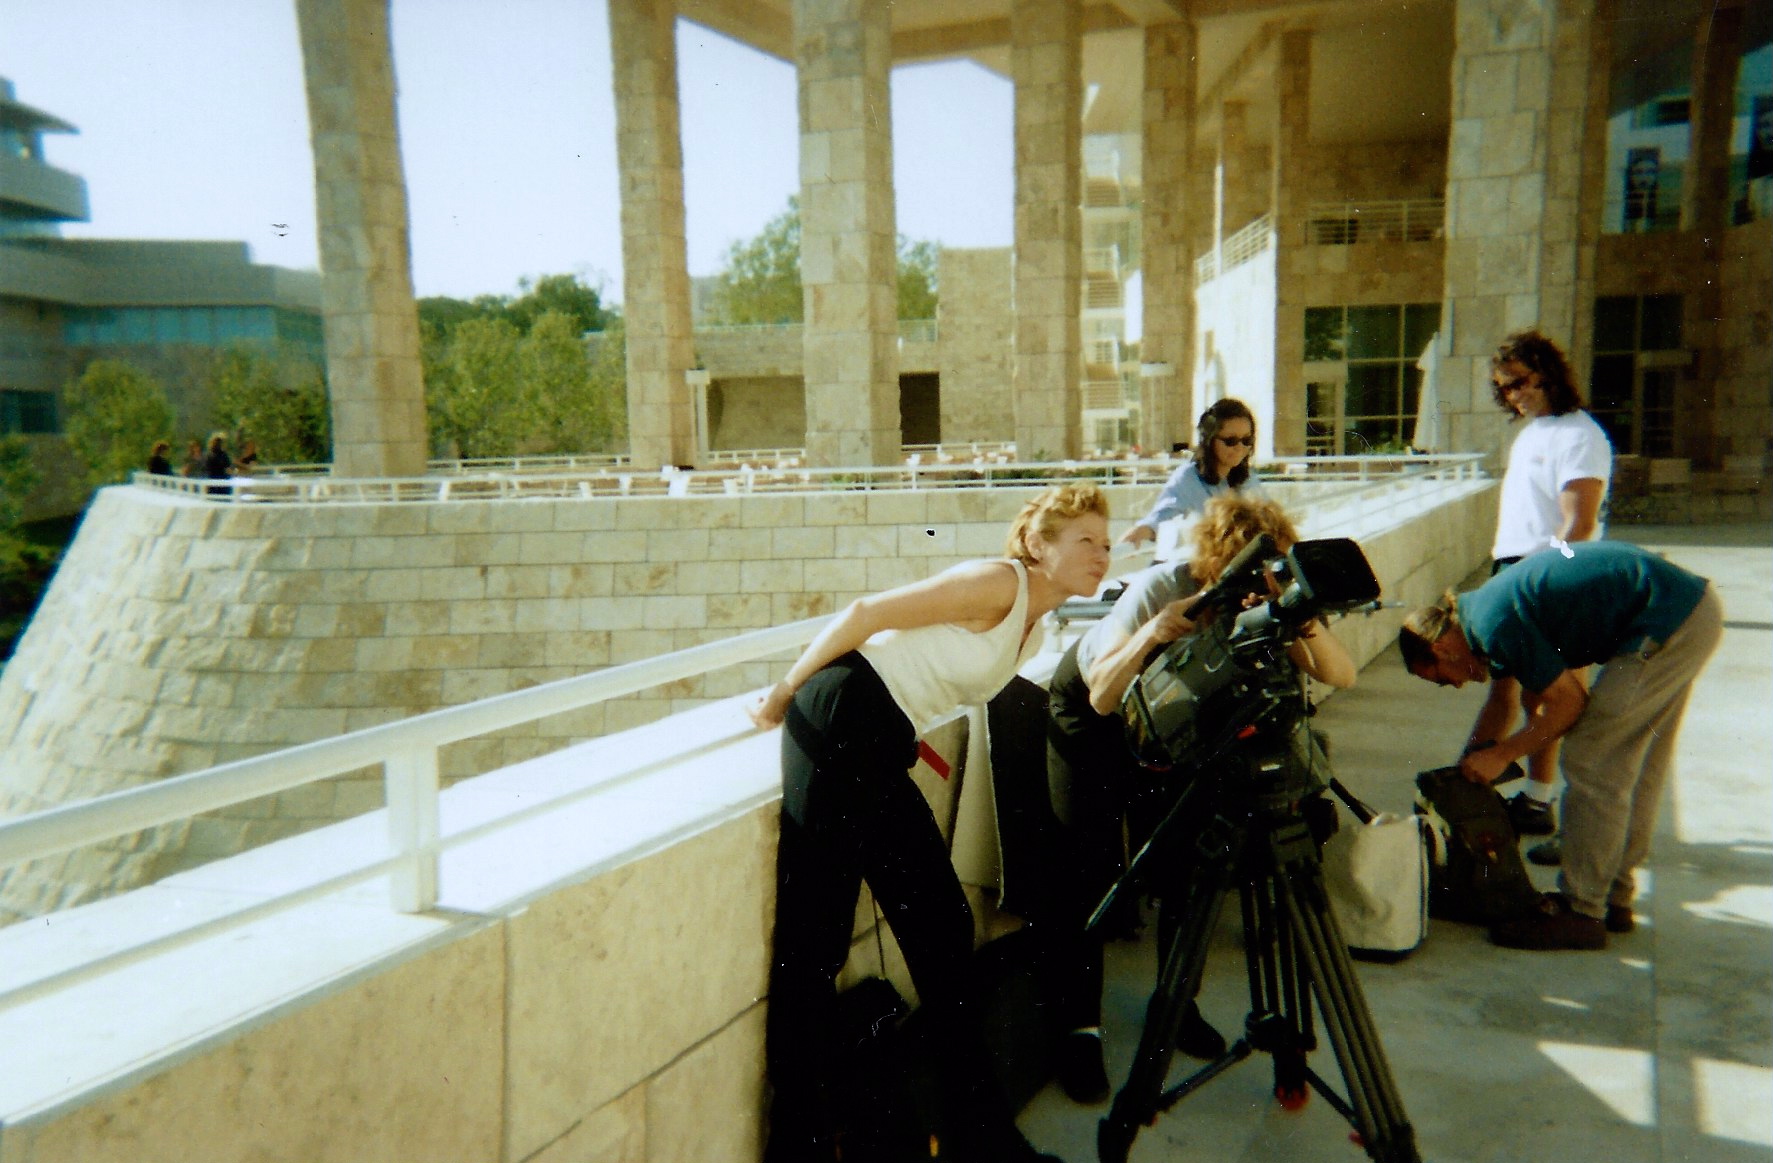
x: 1476, y: 875
x: 883, y: 1091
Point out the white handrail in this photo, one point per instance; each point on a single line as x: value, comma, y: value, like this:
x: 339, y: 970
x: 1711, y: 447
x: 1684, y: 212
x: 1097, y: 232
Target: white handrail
x: 952, y: 466
x: 407, y: 750
x: 123, y: 813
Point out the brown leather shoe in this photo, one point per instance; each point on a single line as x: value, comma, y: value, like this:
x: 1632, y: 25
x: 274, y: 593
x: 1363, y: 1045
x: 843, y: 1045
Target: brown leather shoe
x: 1551, y: 924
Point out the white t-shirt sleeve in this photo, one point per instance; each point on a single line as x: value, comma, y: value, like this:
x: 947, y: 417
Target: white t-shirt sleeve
x: 1585, y: 453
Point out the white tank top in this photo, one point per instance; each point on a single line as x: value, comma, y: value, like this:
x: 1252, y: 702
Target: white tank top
x: 932, y: 670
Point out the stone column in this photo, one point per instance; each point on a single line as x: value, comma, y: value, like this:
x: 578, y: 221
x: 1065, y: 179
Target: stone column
x: 370, y: 318
x: 1243, y: 173
x: 1705, y: 210
x: 848, y: 253
x: 1513, y: 193
x: 1285, y: 418
x: 1169, y: 223
x: 655, y: 266
x: 1717, y: 46
x: 1591, y: 193
x: 1046, y: 62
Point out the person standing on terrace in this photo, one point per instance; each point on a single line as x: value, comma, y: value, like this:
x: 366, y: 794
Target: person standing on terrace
x: 1558, y: 468
x: 887, y: 668
x: 1226, y: 438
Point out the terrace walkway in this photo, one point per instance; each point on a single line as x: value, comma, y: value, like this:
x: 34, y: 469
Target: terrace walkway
x: 1658, y: 1049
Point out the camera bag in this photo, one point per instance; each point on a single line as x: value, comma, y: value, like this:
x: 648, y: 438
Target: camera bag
x: 1376, y: 874
x: 1476, y: 875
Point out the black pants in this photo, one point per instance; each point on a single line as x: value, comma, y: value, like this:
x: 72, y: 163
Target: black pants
x: 851, y: 813
x: 1096, y: 785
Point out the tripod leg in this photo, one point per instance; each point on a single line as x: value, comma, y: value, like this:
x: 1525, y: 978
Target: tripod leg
x: 1179, y: 975
x: 1378, y: 1110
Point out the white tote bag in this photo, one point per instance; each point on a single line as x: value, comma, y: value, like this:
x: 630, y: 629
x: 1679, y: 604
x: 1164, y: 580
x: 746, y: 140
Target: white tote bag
x: 1376, y: 875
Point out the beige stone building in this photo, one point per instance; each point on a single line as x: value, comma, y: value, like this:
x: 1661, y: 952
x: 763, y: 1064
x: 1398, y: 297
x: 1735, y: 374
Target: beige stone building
x: 1311, y: 206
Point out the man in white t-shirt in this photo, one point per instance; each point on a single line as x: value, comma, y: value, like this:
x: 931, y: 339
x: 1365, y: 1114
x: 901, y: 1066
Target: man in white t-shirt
x: 1558, y: 469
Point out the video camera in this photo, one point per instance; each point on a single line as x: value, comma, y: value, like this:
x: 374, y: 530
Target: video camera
x: 1224, y: 680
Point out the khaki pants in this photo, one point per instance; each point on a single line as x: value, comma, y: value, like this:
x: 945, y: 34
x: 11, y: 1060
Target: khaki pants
x: 1617, y: 758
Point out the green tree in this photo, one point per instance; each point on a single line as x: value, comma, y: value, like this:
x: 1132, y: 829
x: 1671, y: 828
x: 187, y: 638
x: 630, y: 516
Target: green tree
x: 276, y: 398
x: 568, y: 295
x: 570, y: 381
x: 480, y: 403
x: 761, y: 280
x: 115, y: 412
x: 564, y: 295
x: 917, y: 279
x: 19, y: 478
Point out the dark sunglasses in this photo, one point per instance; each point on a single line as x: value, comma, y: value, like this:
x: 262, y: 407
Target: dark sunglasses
x: 1234, y: 441
x: 1515, y: 384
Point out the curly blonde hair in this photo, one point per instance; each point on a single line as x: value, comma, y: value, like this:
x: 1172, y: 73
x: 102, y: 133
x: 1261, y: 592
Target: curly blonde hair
x: 1045, y: 514
x: 1230, y: 521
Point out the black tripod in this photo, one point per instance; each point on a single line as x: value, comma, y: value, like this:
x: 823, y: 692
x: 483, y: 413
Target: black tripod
x: 1252, y: 834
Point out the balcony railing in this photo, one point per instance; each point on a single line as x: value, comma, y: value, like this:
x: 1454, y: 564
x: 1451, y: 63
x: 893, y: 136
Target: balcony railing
x: 1236, y: 250
x: 1366, y: 496
x: 1350, y: 223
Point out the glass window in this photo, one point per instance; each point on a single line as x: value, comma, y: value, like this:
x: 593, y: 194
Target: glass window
x: 169, y: 325
x: 1374, y: 332
x: 1324, y: 338
x: 1615, y: 323
x: 1635, y: 403
x: 29, y: 413
x: 1661, y: 326
x: 1372, y: 389
x: 1610, y: 383
x: 1373, y: 406
x: 199, y: 325
x: 1421, y: 321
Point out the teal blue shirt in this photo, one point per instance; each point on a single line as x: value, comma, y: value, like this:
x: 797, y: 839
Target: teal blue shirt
x: 1550, y: 612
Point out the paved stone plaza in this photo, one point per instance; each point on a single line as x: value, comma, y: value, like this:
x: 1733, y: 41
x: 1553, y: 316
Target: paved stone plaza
x: 1658, y: 1049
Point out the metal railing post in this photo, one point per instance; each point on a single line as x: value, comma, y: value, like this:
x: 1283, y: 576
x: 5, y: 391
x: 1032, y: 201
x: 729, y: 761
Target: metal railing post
x: 411, y: 780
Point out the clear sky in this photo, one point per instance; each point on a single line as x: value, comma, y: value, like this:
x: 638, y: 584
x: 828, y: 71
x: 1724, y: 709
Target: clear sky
x: 193, y: 124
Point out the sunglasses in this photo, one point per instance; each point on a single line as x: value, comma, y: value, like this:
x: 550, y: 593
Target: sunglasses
x: 1235, y: 441
x: 1515, y: 384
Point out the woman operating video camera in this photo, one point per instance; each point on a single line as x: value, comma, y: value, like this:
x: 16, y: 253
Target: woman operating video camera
x: 1096, y: 781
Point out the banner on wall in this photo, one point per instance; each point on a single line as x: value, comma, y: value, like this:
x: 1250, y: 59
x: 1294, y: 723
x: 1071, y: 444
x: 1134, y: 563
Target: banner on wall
x: 1760, y: 139
x: 1643, y: 171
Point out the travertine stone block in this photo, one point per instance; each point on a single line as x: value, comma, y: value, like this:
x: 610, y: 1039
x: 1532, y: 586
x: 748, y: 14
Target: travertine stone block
x: 403, y: 1065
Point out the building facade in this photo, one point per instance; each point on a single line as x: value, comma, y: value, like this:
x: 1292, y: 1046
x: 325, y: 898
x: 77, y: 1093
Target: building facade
x: 66, y: 301
x: 1334, y: 211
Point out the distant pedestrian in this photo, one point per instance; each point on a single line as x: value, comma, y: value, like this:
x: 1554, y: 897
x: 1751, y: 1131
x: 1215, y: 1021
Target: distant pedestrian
x: 158, y: 465
x: 217, y: 464
x: 248, y: 460
x: 193, y: 460
x: 1221, y: 463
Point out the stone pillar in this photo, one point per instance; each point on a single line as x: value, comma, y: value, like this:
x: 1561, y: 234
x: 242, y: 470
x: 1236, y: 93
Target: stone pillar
x: 370, y: 318
x: 1243, y: 177
x: 1046, y: 62
x: 1705, y: 210
x: 655, y: 267
x: 1717, y: 46
x: 1591, y: 183
x: 1513, y: 193
x: 1280, y: 422
x: 848, y: 254
x: 1170, y: 217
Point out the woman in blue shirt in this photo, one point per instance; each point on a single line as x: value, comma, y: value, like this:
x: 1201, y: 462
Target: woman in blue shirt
x: 1227, y: 437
